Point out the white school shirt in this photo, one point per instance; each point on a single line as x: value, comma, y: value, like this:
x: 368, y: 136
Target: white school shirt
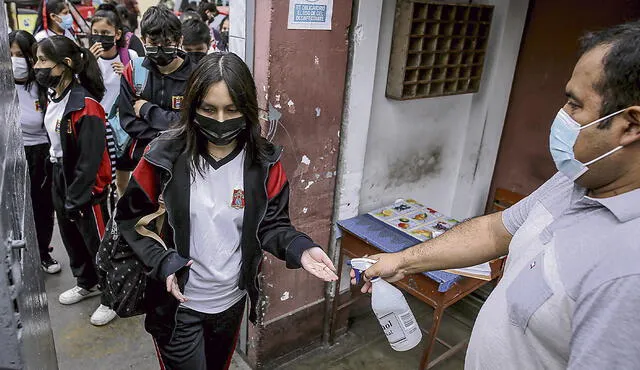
x: 48, y: 33
x: 52, y: 118
x: 31, y: 117
x: 216, y: 215
x: 111, y: 80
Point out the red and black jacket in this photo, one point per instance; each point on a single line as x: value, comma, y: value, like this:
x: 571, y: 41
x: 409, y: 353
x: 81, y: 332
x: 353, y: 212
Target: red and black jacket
x: 164, y: 170
x: 85, y: 161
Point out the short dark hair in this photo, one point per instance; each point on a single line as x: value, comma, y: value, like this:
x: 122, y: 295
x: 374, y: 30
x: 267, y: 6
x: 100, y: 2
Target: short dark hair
x: 159, y: 23
x: 195, y: 32
x: 188, y: 15
x: 620, y: 83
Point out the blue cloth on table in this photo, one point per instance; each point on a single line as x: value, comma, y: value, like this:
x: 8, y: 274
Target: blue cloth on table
x: 389, y: 239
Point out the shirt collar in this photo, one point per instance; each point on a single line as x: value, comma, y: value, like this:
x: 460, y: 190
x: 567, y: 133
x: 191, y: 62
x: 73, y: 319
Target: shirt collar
x: 624, y: 206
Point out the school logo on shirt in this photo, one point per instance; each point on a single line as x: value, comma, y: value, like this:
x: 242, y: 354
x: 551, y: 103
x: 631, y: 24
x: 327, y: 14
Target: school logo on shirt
x: 238, y: 199
x: 176, y: 102
x: 38, y: 107
x: 58, y: 127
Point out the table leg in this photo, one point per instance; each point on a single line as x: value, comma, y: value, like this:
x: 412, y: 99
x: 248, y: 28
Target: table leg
x: 433, y: 332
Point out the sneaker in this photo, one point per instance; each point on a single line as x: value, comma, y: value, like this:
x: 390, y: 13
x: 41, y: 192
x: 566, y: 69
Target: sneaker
x: 49, y: 265
x: 76, y: 294
x: 103, y: 316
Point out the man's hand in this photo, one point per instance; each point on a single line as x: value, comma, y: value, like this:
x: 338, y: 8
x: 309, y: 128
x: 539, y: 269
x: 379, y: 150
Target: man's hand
x: 137, y: 106
x: 388, y: 267
x: 96, y: 49
x: 318, y: 264
x: 173, y: 288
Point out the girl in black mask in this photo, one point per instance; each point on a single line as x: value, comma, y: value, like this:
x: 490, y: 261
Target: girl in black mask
x: 33, y: 101
x: 226, y: 196
x: 109, y: 45
x: 75, y: 123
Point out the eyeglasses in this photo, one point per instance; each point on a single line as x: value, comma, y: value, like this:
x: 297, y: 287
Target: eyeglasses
x: 156, y: 49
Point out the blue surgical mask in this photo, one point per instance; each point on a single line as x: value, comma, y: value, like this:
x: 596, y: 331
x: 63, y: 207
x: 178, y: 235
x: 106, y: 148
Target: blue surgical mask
x: 67, y: 21
x: 562, y: 139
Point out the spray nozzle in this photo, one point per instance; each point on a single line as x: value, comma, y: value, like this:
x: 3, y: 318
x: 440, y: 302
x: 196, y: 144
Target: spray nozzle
x: 359, y: 265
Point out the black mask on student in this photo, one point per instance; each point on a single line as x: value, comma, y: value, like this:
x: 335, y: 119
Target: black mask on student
x: 225, y: 36
x: 162, y: 56
x: 107, y: 42
x: 220, y: 133
x: 196, y: 56
x: 45, y: 79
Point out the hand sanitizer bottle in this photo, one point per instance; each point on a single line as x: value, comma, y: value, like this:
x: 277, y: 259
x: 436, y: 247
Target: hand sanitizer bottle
x: 391, y: 309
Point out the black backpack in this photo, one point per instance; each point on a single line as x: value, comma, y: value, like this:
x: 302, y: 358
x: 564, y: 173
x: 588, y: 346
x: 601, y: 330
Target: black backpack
x: 123, y: 277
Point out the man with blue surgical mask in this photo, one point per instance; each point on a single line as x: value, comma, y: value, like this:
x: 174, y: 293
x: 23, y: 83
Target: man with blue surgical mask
x: 570, y: 294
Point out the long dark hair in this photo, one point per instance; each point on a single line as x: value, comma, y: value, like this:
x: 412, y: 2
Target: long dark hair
x: 214, y: 68
x: 83, y: 64
x: 107, y: 12
x: 26, y: 43
x: 44, y: 16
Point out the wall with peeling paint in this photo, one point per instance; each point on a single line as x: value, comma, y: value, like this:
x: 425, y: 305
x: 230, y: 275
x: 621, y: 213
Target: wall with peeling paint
x: 430, y: 149
x: 300, y: 80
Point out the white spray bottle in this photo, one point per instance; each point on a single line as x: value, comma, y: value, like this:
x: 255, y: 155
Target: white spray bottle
x: 391, y: 309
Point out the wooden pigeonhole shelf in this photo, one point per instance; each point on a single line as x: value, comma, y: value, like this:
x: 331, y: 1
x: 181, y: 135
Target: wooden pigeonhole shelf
x: 438, y: 49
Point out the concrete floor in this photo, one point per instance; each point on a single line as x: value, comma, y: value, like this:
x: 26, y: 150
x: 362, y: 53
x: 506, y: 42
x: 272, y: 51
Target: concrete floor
x: 123, y: 344
x: 364, y: 346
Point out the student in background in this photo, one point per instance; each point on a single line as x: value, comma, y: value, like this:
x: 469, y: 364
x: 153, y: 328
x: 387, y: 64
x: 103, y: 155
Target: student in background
x: 128, y: 27
x: 196, y: 39
x: 75, y: 122
x: 33, y: 100
x: 221, y: 42
x: 54, y: 18
x: 108, y: 45
x: 226, y: 197
x: 151, y: 108
x: 190, y: 14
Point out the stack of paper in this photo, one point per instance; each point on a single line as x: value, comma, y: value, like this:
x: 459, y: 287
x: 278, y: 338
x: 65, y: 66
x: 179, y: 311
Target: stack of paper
x: 481, y: 271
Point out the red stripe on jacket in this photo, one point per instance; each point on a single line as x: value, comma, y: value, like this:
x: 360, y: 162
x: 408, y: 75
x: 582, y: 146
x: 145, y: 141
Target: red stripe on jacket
x: 146, y: 176
x: 277, y: 180
x: 93, y: 108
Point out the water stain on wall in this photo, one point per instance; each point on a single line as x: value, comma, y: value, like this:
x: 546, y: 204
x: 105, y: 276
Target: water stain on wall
x: 414, y: 167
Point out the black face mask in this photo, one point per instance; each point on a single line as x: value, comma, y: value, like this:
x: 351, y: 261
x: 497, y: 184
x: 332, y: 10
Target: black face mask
x: 45, y: 79
x: 107, y: 42
x: 225, y: 36
x: 220, y: 133
x: 196, y: 56
x: 162, y: 56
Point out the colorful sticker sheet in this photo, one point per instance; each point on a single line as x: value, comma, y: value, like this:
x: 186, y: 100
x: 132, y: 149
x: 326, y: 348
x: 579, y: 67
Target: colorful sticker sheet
x: 415, y: 219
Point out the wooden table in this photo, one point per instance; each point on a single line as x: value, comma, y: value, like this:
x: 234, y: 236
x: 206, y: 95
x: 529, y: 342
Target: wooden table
x: 421, y: 287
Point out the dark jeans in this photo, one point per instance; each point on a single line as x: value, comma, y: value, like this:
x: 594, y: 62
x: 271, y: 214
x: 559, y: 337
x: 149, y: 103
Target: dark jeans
x: 81, y: 237
x: 40, y: 180
x: 202, y: 341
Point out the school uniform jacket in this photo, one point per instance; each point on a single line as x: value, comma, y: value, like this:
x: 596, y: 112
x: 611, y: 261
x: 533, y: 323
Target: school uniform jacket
x: 164, y: 171
x: 164, y: 95
x: 86, y: 163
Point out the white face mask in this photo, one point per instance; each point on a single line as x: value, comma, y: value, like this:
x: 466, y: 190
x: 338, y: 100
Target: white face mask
x: 20, y: 68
